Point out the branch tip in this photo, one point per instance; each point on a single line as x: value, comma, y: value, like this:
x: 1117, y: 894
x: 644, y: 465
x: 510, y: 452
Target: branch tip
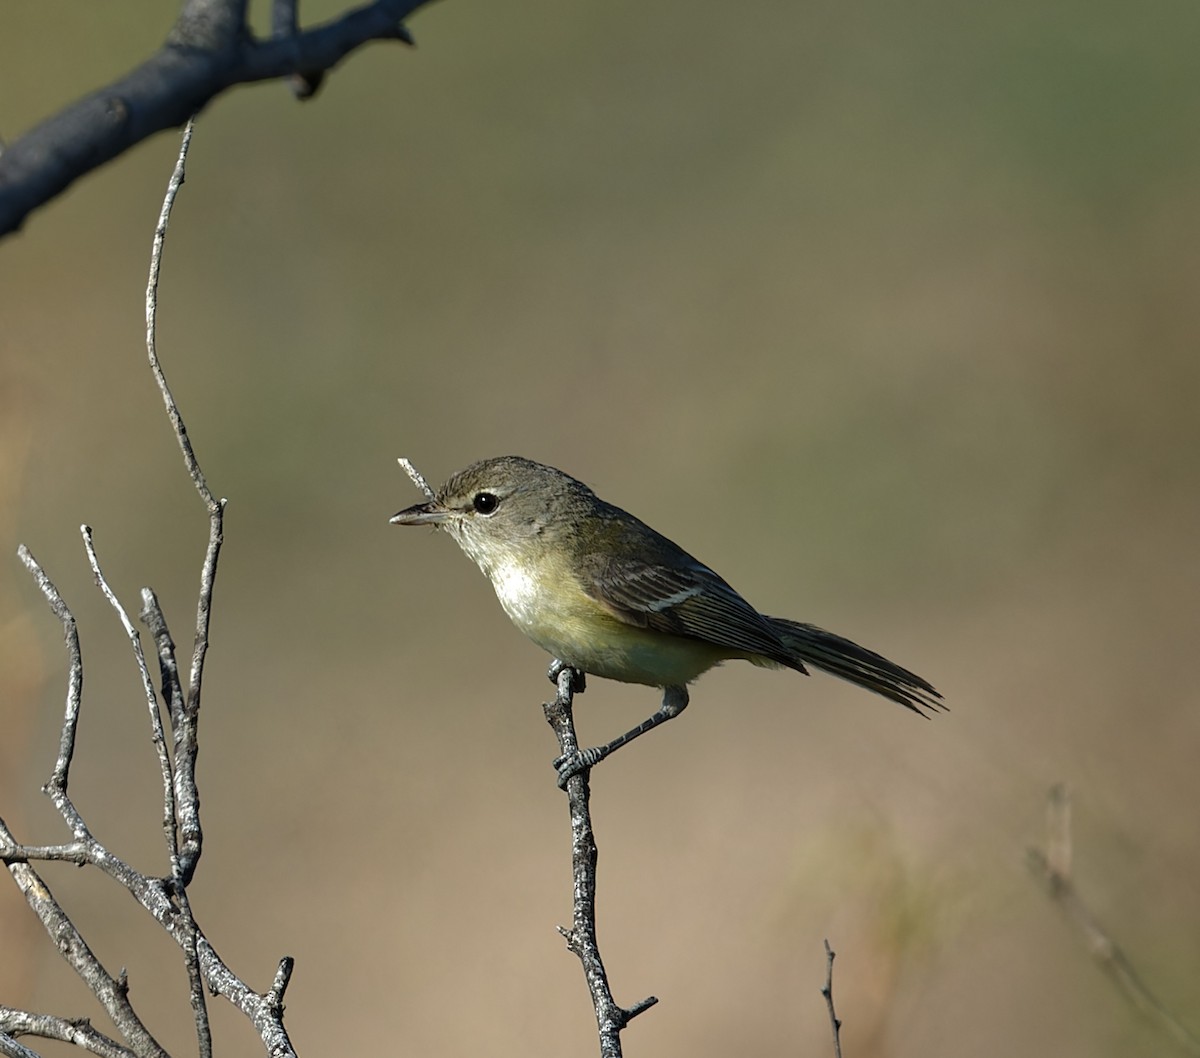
x: 640, y: 1008
x: 416, y: 477
x: 283, y: 977
x: 827, y: 991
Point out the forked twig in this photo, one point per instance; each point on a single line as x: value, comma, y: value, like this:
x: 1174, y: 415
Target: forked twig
x: 165, y: 899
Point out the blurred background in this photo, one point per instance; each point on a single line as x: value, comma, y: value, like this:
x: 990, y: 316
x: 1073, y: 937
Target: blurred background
x: 888, y: 313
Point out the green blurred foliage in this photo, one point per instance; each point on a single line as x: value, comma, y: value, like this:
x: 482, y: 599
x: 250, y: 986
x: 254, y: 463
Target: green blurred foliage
x: 887, y: 312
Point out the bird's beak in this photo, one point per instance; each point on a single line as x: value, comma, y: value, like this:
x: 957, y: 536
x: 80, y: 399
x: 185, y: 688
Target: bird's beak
x: 421, y: 514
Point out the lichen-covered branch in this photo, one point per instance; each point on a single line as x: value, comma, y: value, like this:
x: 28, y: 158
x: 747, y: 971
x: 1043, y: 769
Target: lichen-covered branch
x: 581, y: 937
x: 164, y: 898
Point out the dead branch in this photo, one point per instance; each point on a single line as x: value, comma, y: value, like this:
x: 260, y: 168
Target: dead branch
x: 581, y: 937
x: 165, y: 898
x: 208, y: 50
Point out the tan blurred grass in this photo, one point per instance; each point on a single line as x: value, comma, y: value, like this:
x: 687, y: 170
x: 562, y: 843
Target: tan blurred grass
x: 890, y: 315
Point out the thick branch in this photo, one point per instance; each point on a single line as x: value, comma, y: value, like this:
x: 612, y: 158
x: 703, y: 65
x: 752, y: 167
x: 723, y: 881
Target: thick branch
x: 208, y: 50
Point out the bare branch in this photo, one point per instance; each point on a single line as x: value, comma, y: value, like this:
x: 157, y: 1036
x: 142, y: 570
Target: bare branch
x: 827, y: 992
x: 184, y: 714
x: 1053, y: 869
x: 112, y: 992
x: 168, y: 666
x: 265, y: 1011
x: 285, y: 19
x: 165, y: 900
x: 11, y: 1049
x: 208, y: 50
x: 156, y: 727
x: 188, y: 803
x: 66, y: 746
x: 156, y: 249
x: 581, y: 937
x: 77, y: 1031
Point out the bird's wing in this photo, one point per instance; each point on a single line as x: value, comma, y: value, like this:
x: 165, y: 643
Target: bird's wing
x: 684, y: 600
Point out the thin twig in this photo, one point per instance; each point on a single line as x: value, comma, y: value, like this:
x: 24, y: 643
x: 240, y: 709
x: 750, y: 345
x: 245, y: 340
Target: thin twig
x: 185, y: 720
x: 184, y: 712
x: 66, y: 746
x: 77, y: 1031
x: 160, y: 234
x: 581, y: 937
x: 186, y: 925
x: 157, y: 734
x: 417, y: 478
x: 185, y: 740
x: 827, y: 992
x: 283, y: 977
x: 168, y: 665
x: 1053, y: 868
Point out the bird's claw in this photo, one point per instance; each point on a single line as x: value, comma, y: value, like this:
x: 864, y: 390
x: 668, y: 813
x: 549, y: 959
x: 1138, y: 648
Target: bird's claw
x: 567, y: 766
x: 572, y: 764
x: 558, y: 667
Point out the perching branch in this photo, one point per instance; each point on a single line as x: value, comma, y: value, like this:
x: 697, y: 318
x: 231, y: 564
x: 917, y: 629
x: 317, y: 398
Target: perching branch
x: 1052, y: 868
x: 166, y: 898
x: 581, y: 937
x: 208, y: 50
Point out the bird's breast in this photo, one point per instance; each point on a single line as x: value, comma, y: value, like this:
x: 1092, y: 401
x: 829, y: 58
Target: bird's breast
x: 520, y: 594
x: 551, y: 608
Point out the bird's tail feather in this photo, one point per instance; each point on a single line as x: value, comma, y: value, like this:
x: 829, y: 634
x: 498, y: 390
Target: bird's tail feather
x: 847, y: 660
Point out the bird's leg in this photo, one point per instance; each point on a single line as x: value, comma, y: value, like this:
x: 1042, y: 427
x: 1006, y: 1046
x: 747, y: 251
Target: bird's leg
x: 675, y: 700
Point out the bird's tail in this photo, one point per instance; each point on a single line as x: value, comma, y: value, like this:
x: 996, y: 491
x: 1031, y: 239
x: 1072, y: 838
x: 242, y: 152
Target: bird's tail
x: 840, y: 657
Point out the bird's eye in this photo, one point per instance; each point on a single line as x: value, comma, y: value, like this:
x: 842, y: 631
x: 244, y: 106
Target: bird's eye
x: 485, y: 502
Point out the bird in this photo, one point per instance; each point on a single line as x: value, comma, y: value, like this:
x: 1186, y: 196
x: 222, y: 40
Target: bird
x: 604, y: 594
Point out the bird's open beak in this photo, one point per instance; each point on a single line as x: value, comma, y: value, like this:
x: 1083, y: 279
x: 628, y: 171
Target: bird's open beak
x: 421, y: 514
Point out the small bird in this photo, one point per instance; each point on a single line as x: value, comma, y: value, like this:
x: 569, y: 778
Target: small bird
x: 605, y: 594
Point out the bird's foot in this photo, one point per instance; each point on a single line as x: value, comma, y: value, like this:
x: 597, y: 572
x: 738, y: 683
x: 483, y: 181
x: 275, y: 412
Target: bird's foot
x: 578, y: 679
x: 571, y: 764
